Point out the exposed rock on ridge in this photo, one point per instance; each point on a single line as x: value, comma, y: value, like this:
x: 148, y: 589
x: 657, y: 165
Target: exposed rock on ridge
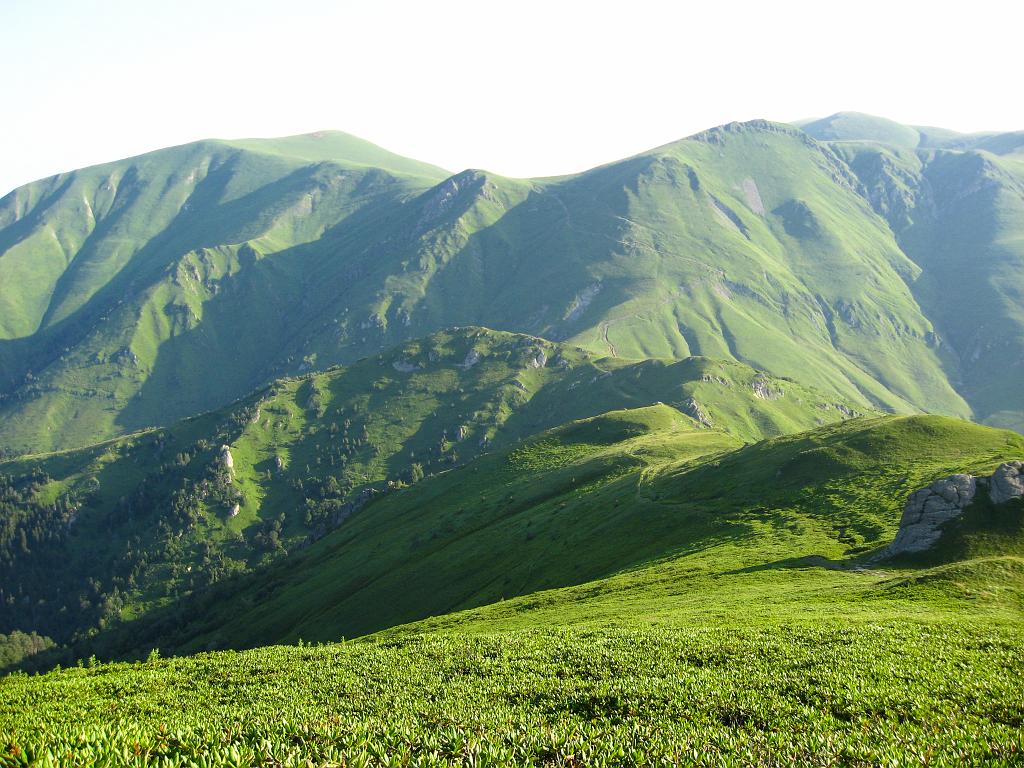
x: 1007, y: 482
x: 929, y: 508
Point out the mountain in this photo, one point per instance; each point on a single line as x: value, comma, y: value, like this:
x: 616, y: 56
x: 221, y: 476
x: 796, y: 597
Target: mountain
x: 93, y: 535
x: 960, y: 217
x: 145, y: 291
x: 857, y: 126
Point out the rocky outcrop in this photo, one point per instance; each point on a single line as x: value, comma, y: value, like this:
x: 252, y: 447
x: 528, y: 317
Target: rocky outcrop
x: 698, y: 413
x: 764, y: 389
x: 472, y: 358
x: 1007, y: 482
x: 226, y: 459
x: 581, y: 302
x: 538, y: 359
x: 928, y: 509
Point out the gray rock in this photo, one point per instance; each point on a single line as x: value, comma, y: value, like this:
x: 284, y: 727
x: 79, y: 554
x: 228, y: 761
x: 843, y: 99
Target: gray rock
x: 226, y: 458
x: 928, y: 509
x: 696, y: 410
x: 763, y: 389
x: 472, y: 358
x: 1007, y: 482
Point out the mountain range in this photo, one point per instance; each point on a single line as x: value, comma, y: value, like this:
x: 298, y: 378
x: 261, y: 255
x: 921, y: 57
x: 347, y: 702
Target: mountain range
x: 710, y: 455
x: 876, y: 262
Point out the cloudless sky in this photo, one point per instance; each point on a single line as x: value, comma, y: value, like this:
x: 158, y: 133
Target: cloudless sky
x: 521, y: 88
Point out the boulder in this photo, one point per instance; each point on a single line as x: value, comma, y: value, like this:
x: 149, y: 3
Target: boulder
x: 928, y: 509
x: 226, y: 458
x: 1007, y: 482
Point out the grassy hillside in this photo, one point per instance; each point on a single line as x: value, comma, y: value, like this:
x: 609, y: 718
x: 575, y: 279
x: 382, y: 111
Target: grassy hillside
x: 960, y: 217
x: 124, y: 285
x: 148, y: 290
x: 741, y: 622
x: 856, y: 126
x: 107, y: 532
x: 792, y: 527
x: 650, y: 520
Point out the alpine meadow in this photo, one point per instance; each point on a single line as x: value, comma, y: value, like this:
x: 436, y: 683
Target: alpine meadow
x: 312, y: 454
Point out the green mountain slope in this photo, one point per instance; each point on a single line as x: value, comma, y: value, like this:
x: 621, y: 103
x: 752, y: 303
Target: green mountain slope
x: 685, y: 598
x: 649, y: 518
x: 206, y: 271
x: 856, y: 126
x: 109, y: 272
x: 960, y: 217
x: 109, y: 531
x: 858, y: 693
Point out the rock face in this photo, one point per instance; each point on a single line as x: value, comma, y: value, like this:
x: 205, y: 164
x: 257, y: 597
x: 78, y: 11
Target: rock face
x: 927, y: 509
x: 1007, y: 482
x: 697, y: 411
x: 763, y: 389
x: 226, y: 458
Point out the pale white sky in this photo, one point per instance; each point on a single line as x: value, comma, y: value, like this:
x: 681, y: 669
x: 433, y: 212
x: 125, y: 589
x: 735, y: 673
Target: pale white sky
x: 521, y: 88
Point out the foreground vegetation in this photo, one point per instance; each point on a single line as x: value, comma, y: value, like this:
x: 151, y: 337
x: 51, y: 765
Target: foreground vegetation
x: 890, y: 693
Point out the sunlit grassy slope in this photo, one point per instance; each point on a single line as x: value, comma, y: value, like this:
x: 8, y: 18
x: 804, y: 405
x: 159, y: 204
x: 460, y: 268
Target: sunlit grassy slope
x: 741, y: 620
x: 143, y: 291
x: 630, y: 517
x: 113, y: 529
x: 857, y: 126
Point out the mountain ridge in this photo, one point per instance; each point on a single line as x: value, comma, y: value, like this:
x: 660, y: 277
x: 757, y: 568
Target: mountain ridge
x: 698, y: 247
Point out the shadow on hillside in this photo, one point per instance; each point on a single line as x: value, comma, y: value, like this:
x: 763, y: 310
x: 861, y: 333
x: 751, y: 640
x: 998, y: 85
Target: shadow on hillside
x: 805, y: 563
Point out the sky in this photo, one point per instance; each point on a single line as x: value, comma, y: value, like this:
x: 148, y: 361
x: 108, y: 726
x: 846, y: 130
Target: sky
x: 519, y: 88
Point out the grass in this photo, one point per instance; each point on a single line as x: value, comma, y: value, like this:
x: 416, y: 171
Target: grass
x: 892, y: 693
x: 671, y: 524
